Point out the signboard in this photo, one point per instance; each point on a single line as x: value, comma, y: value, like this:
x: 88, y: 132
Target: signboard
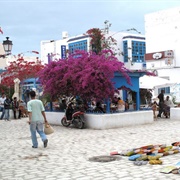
x: 49, y: 57
x: 157, y: 55
x: 143, y: 66
x: 169, y: 54
x: 63, y: 52
x: 168, y: 61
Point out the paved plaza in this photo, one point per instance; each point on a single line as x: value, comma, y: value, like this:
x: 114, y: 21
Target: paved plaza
x: 69, y: 149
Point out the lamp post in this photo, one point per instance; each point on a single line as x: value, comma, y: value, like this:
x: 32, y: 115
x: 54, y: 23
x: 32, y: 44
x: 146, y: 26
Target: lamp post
x: 7, y: 45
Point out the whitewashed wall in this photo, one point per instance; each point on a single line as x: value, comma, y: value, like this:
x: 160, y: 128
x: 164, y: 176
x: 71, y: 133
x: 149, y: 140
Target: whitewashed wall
x: 108, y: 121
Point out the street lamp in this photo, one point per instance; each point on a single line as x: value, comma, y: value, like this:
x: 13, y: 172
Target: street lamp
x: 7, y: 44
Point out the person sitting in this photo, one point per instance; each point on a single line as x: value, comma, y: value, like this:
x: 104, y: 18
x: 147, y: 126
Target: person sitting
x: 92, y: 106
x: 115, y: 100
x: 63, y: 105
x: 99, y: 108
x: 23, y: 108
x: 166, y: 111
x: 69, y: 112
x: 126, y: 104
x: 121, y: 105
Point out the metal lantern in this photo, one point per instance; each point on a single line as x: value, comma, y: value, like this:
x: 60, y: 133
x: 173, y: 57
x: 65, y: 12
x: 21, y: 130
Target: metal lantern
x: 7, y: 44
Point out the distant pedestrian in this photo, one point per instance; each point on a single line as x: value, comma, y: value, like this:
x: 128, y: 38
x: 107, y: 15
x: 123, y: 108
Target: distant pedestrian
x: 2, y: 99
x: 7, y: 107
x: 15, y: 108
x: 37, y: 117
x: 168, y: 104
x: 154, y: 107
x: 161, y: 103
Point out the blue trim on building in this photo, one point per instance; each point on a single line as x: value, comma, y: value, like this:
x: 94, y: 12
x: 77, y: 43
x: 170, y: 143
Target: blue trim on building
x: 125, y: 50
x: 134, y: 37
x: 78, y: 38
x: 138, y: 51
x: 79, y: 45
x: 63, y: 51
x: 166, y: 90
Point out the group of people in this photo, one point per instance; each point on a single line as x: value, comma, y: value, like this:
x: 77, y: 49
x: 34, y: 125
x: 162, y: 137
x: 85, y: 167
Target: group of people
x: 164, y: 106
x: 116, y: 105
x: 6, y: 104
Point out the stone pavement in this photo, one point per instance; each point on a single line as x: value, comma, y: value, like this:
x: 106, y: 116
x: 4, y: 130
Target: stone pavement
x: 69, y: 149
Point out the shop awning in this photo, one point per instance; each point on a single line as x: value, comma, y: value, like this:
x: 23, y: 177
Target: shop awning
x: 150, y: 82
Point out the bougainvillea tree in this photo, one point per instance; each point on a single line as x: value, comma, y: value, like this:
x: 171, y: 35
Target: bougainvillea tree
x: 87, y: 75
x: 21, y: 69
x: 99, y: 41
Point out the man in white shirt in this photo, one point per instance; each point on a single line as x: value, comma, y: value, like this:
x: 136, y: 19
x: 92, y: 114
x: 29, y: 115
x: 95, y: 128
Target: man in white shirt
x: 168, y: 102
x: 167, y: 106
x: 37, y: 117
x: 2, y: 99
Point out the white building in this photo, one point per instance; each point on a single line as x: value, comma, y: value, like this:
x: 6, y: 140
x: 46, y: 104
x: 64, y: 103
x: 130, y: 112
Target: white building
x: 162, y: 31
x: 54, y: 49
x: 130, y: 48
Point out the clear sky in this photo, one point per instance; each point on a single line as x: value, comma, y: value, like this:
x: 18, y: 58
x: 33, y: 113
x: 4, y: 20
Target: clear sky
x: 27, y: 22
